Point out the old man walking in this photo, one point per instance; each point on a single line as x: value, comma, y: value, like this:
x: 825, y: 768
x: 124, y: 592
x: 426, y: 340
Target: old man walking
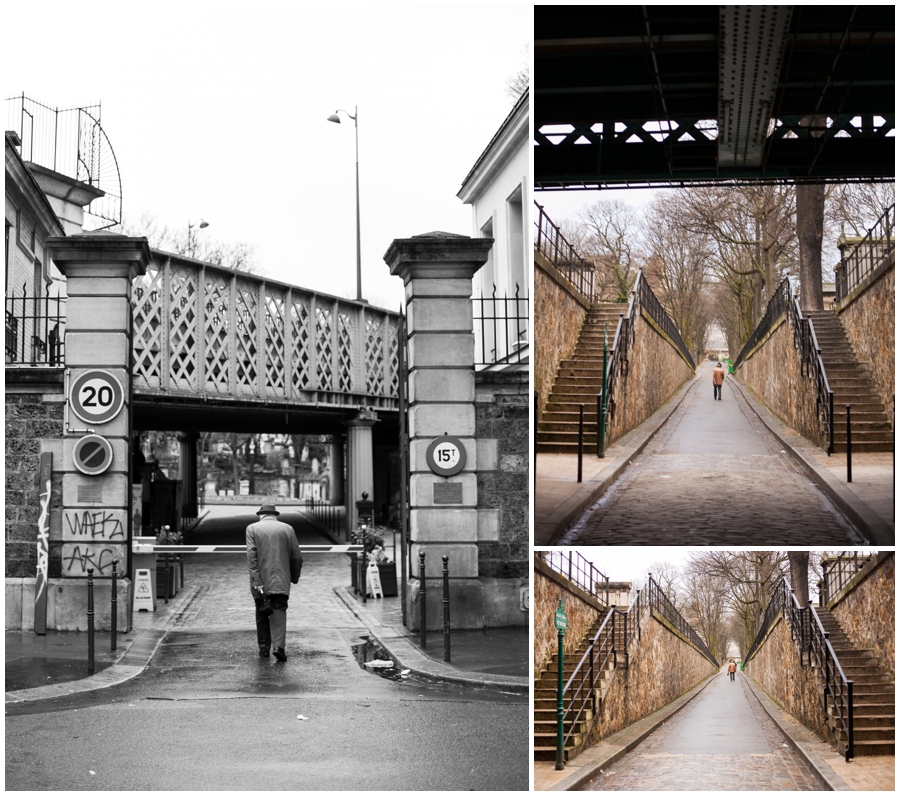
x: 275, y: 562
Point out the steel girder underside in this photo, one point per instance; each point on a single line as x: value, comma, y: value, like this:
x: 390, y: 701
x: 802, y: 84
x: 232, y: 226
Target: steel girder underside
x: 662, y: 95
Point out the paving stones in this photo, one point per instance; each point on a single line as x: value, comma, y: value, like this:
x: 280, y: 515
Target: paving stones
x: 713, y: 475
x: 761, y: 759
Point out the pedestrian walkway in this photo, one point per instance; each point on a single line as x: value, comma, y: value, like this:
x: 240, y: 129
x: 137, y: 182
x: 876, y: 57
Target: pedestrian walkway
x: 702, y: 471
x: 216, y: 597
x: 723, y: 735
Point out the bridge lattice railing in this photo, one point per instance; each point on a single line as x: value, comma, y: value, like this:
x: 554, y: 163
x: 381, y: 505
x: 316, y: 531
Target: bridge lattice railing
x: 203, y: 329
x: 816, y: 651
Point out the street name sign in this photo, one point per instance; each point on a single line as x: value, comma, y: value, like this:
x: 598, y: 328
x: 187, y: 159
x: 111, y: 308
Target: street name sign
x: 561, y: 620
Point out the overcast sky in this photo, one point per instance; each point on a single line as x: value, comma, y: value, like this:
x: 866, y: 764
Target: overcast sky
x: 218, y: 110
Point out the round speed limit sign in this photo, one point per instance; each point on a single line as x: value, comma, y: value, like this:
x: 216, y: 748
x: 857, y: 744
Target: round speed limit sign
x: 446, y: 456
x: 96, y: 396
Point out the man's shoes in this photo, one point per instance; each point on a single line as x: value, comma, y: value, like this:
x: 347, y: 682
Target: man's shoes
x: 263, y: 652
x: 279, y: 654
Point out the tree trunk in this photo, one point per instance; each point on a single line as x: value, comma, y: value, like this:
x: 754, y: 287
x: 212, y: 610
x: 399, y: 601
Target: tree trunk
x: 799, y: 562
x: 810, y: 220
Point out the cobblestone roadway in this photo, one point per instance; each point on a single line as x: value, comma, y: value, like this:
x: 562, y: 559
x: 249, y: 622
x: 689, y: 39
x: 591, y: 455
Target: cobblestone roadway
x: 713, y: 474
x: 723, y: 740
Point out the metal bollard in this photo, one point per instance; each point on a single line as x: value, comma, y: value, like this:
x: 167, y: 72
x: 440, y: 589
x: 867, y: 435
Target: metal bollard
x: 446, y: 559
x: 849, y: 455
x: 422, y: 596
x: 580, y: 438
x: 114, y: 606
x: 90, y: 621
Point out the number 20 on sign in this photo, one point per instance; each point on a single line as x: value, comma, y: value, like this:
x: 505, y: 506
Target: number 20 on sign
x: 96, y: 396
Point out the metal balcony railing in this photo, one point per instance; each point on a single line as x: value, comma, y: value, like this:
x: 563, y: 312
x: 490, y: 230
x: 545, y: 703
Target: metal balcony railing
x: 577, y: 569
x: 552, y: 244
x: 35, y: 330
x: 501, y: 329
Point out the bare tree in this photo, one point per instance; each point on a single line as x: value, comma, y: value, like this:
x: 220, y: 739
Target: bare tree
x: 230, y: 254
x: 518, y: 82
x: 706, y: 610
x: 611, y: 241
x: 853, y: 208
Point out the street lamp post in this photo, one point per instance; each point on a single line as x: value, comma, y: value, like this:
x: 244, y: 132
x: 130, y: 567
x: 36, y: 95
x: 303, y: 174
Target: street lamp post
x: 337, y: 120
x: 190, y: 247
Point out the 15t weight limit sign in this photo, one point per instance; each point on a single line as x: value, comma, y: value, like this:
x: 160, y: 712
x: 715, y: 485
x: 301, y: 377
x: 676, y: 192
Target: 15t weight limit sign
x: 96, y: 396
x: 446, y: 456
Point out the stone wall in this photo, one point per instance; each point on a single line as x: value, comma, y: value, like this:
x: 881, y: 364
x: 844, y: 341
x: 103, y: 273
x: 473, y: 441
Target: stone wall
x: 581, y: 609
x: 772, y: 372
x: 559, y: 312
x: 502, y: 417
x: 776, y: 668
x: 868, y: 319
x: 656, y: 371
x: 865, y: 609
x: 662, y: 667
x: 34, y: 412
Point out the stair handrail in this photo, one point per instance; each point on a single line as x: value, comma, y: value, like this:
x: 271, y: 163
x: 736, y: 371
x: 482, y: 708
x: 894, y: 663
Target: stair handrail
x: 812, y: 638
x: 784, y: 302
x: 552, y: 244
x: 811, y: 356
x: 836, y: 573
x: 618, y: 354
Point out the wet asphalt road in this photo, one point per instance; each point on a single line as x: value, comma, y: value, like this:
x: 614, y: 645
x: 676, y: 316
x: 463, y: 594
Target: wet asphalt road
x: 209, y: 714
x: 712, y: 475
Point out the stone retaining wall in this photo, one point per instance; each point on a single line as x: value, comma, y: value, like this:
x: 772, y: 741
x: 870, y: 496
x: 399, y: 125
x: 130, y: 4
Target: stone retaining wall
x: 772, y: 372
x: 776, y: 669
x: 865, y: 609
x: 559, y: 312
x: 662, y: 667
x: 868, y: 319
x: 581, y: 609
x: 656, y: 371
x: 502, y: 417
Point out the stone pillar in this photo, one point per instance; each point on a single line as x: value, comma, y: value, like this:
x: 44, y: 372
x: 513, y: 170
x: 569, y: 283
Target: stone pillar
x: 187, y: 472
x: 96, y: 508
x: 360, y: 472
x: 336, y: 471
x: 437, y: 270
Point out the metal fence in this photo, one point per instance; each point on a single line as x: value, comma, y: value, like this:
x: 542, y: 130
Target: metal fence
x: 778, y: 305
x: 35, y: 329
x: 552, y: 244
x: 577, y: 569
x: 838, y: 572
x: 501, y: 328
x: 876, y: 247
x: 658, y: 602
x: 662, y: 318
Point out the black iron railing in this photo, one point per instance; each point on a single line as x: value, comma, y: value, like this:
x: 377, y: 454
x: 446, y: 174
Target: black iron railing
x: 35, y: 330
x: 658, y: 602
x: 576, y: 568
x: 501, y: 328
x: 784, y: 302
x: 552, y: 244
x: 329, y: 516
x: 876, y: 247
x: 838, y: 572
x: 815, y: 650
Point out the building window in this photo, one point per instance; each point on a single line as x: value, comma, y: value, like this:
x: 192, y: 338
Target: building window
x: 515, y: 242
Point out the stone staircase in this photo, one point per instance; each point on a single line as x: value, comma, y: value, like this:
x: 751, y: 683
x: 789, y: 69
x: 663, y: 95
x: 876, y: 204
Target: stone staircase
x: 873, y: 694
x: 851, y: 383
x: 545, y: 697
x: 578, y: 381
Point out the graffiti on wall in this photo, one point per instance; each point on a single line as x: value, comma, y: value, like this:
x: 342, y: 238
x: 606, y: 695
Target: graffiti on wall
x: 77, y: 559
x: 93, y: 525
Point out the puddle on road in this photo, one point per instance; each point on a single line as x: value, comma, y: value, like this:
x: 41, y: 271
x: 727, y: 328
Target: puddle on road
x: 371, y: 652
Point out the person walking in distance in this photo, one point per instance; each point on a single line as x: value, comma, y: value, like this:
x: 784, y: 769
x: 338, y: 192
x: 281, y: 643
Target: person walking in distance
x: 732, y: 668
x: 718, y: 378
x: 275, y: 563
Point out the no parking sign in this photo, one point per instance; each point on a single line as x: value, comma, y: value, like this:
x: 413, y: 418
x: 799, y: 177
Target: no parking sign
x: 96, y: 396
x: 93, y: 454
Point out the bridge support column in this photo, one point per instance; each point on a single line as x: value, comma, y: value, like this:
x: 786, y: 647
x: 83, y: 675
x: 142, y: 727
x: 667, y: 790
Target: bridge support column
x: 336, y: 471
x: 437, y: 271
x: 360, y: 472
x: 96, y: 515
x: 187, y: 472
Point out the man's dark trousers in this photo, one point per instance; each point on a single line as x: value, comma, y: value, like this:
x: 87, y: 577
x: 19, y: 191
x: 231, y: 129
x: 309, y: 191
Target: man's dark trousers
x: 263, y: 631
x: 717, y: 392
